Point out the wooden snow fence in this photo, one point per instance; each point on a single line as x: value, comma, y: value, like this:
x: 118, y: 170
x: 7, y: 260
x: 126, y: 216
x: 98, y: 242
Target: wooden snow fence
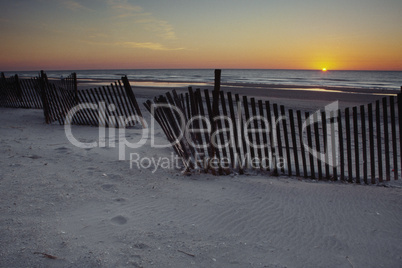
x: 106, y: 106
x: 227, y: 133
x: 63, y: 102
x: 20, y: 93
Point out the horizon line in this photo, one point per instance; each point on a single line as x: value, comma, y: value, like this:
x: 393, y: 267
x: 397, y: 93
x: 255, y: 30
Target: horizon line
x: 272, y: 69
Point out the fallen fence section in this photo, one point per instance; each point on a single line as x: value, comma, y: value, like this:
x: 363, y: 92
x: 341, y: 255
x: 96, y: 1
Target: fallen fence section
x: 233, y: 133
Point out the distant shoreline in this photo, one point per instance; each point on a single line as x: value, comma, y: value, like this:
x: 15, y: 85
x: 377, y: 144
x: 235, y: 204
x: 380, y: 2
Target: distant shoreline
x: 382, y: 82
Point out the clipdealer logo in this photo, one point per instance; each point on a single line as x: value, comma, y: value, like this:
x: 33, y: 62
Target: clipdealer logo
x: 187, y: 129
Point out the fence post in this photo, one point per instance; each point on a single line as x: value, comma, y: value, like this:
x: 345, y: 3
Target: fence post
x: 18, y: 88
x: 400, y: 123
x: 43, y: 84
x: 215, y: 94
x: 75, y: 84
x: 131, y: 96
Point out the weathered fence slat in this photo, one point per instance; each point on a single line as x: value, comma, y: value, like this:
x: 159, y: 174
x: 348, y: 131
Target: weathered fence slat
x: 334, y: 147
x: 227, y: 127
x: 206, y: 151
x: 247, y: 122
x: 235, y: 131
x: 364, y: 143
x: 302, y: 150
x: 265, y: 128
x: 341, y: 147
x: 257, y: 131
x: 223, y: 147
x: 356, y: 144
x: 386, y: 139
x: 348, y: 145
x: 133, y: 100
x: 310, y: 144
x: 213, y: 139
x: 317, y: 144
x: 379, y: 150
x: 124, y: 103
x: 394, y: 142
x: 243, y: 143
x: 114, y: 107
x: 400, y: 125
x: 277, y: 126
x: 325, y: 144
x: 271, y: 147
x: 95, y: 118
x: 286, y: 138
x: 371, y: 139
x: 294, y: 142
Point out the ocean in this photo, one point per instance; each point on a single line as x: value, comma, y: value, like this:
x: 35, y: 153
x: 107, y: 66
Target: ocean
x: 173, y: 77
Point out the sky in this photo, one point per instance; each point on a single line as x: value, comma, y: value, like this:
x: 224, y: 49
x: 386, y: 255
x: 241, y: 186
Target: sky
x: 253, y: 34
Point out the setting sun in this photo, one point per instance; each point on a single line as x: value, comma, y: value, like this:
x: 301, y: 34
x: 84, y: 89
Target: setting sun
x: 324, y: 69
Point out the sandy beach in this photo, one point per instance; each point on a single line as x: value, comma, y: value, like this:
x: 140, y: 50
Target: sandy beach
x: 64, y: 206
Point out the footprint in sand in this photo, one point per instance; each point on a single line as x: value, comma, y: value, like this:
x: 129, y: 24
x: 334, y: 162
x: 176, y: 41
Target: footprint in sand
x: 141, y: 246
x: 120, y: 220
x: 62, y: 149
x: 34, y: 156
x: 109, y: 187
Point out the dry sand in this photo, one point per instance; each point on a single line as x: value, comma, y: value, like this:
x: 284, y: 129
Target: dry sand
x: 88, y: 209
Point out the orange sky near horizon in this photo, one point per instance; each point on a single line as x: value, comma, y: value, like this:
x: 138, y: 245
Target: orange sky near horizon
x: 124, y: 34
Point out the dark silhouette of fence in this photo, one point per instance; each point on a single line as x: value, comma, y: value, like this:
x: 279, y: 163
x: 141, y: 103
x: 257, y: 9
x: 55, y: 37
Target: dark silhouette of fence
x: 19, y: 93
x: 107, y: 106
x: 358, y: 144
x: 63, y: 102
